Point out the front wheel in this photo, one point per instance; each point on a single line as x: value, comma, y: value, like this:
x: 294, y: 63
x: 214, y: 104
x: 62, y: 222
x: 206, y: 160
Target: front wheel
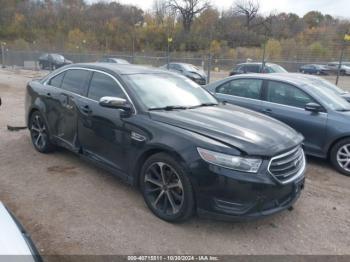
x: 166, y: 188
x: 39, y: 133
x: 340, y: 156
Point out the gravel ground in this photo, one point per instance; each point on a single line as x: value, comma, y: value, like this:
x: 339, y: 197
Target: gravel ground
x: 71, y: 207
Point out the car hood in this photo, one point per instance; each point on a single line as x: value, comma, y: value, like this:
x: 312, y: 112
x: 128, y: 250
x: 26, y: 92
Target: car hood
x: 248, y: 131
x: 12, y: 241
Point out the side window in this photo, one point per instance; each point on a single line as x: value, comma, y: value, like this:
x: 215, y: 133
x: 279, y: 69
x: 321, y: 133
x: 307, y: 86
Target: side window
x: 249, y: 88
x: 102, y: 85
x: 286, y: 94
x: 253, y: 69
x: 178, y: 67
x: 75, y: 80
x: 57, y: 80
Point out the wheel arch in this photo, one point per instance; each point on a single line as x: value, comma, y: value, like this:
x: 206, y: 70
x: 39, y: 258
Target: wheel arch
x: 147, y: 154
x: 329, y: 149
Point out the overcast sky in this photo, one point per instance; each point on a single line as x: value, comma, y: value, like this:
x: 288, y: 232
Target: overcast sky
x: 338, y: 8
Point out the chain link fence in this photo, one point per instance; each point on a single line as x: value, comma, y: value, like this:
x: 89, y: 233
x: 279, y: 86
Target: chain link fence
x: 218, y: 67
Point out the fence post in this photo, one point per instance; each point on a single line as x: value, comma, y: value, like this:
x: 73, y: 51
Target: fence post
x: 3, y: 54
x: 209, y: 67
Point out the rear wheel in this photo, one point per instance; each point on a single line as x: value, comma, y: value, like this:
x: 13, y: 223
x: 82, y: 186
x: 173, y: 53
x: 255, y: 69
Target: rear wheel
x: 340, y: 156
x: 39, y: 133
x: 166, y: 188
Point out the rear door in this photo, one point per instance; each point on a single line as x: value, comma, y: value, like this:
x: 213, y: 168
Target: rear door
x: 101, y: 130
x: 245, y: 92
x: 286, y: 103
x: 74, y: 86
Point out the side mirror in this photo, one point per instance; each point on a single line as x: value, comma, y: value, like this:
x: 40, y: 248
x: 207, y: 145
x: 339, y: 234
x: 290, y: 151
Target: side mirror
x: 115, y: 102
x: 313, y: 107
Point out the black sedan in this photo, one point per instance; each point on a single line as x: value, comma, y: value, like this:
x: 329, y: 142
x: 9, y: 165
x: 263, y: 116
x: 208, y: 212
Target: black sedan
x: 113, y: 60
x: 190, y: 71
x: 53, y: 61
x: 168, y: 136
x: 314, y: 69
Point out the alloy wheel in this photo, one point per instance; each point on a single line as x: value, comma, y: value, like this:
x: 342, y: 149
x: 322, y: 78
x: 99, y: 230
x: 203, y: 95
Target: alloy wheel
x: 343, y: 157
x: 38, y: 132
x: 164, y: 189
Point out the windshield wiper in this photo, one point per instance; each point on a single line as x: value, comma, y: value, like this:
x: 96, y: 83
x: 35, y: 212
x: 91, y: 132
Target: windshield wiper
x: 343, y: 110
x: 168, y: 108
x: 204, y: 104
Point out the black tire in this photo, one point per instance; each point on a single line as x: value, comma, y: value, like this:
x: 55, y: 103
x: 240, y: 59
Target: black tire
x: 342, y: 73
x: 181, y: 196
x: 338, y: 156
x: 39, y: 133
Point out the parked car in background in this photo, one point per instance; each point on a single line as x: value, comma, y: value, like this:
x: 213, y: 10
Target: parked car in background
x: 113, y: 60
x: 15, y: 243
x: 256, y: 67
x: 190, y: 71
x: 344, y: 69
x: 168, y: 136
x: 321, y: 115
x: 52, y: 61
x: 314, y: 69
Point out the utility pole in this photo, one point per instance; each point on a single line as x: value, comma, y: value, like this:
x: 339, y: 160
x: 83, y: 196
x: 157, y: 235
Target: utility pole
x: 3, y: 44
x: 169, y: 40
x: 264, y: 54
x: 346, y: 39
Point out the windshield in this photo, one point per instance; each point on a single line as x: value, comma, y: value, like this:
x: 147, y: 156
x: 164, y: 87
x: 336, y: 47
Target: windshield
x: 277, y: 68
x: 328, y: 85
x: 190, y: 68
x: 167, y: 90
x: 329, y: 98
x: 57, y: 57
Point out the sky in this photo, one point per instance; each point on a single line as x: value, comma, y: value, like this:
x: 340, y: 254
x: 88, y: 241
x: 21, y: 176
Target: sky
x: 337, y: 8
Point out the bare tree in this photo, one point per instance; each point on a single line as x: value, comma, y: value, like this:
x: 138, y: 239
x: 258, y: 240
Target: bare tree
x: 247, y: 8
x: 188, y: 10
x: 160, y: 10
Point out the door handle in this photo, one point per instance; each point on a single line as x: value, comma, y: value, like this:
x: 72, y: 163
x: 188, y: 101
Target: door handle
x: 86, y: 109
x: 267, y: 111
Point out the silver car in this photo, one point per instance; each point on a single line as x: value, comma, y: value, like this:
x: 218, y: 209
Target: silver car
x: 318, y: 112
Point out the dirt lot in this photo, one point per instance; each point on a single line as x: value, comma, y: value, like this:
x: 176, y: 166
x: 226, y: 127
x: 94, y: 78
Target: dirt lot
x: 71, y: 207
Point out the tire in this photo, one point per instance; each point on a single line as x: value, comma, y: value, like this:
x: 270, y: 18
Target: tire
x: 342, y: 73
x: 302, y: 71
x: 168, y: 194
x: 39, y: 133
x: 318, y: 73
x: 340, y: 158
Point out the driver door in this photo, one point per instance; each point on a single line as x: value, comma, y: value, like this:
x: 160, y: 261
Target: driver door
x: 101, y: 130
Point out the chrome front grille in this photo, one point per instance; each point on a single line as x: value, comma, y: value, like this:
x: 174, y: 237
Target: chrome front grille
x: 288, y: 166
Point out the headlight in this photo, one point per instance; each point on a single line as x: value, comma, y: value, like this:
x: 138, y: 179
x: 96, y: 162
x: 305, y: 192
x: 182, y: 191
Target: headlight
x: 244, y: 164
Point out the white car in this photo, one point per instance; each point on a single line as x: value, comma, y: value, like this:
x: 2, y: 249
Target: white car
x: 15, y: 243
x: 344, y: 69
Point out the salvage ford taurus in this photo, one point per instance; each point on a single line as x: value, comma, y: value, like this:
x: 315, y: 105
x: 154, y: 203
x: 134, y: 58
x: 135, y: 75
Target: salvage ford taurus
x: 171, y: 138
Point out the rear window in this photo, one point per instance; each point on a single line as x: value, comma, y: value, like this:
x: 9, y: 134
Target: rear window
x: 75, y: 81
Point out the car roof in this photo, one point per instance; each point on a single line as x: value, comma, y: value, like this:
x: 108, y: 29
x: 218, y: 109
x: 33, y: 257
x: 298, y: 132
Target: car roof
x: 256, y: 63
x: 291, y: 78
x: 121, y: 69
